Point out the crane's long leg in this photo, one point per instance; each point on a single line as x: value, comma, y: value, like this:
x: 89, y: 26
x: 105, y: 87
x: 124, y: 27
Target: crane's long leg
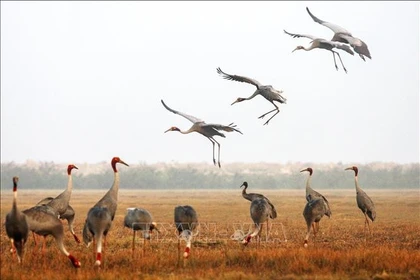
x: 70, y: 221
x: 218, y: 154
x: 367, y: 223
x: 212, y: 141
x: 134, y: 237
x: 305, y: 243
x: 345, y: 70
x: 275, y: 109
x: 335, y: 63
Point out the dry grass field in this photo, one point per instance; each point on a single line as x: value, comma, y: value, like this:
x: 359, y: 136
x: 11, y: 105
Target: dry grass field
x: 342, y: 249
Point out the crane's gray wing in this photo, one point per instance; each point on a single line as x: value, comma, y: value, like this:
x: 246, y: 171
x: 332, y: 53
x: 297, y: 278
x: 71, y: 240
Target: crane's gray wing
x: 228, y: 128
x: 338, y: 45
x: 300, y: 35
x: 352, y: 40
x: 239, y: 78
x: 188, y: 117
x: 334, y: 27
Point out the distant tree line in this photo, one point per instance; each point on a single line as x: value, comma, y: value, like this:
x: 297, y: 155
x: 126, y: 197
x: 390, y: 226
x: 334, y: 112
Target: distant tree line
x: 47, y: 175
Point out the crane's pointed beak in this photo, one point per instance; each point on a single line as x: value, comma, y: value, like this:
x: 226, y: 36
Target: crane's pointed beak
x: 167, y: 130
x: 349, y: 168
x: 306, y: 169
x: 122, y: 162
x: 295, y: 49
x: 74, y: 166
x: 234, y: 102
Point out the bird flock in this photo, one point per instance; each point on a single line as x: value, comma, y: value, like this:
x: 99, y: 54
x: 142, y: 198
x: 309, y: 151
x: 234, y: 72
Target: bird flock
x: 341, y: 40
x: 45, y: 217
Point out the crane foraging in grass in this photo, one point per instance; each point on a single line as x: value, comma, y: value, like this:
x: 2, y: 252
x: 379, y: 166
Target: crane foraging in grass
x: 186, y: 220
x: 260, y: 211
x: 206, y: 129
x: 266, y: 91
x: 364, y: 202
x: 43, y: 220
x: 319, y: 43
x: 140, y: 219
x: 101, y: 215
x: 253, y: 196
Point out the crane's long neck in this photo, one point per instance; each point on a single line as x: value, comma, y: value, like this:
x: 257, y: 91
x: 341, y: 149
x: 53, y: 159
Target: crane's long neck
x: 356, y: 181
x: 69, y: 186
x: 14, y: 206
x: 244, y: 194
x: 253, y: 95
x: 187, y: 131
x: 113, y: 192
x: 308, y: 184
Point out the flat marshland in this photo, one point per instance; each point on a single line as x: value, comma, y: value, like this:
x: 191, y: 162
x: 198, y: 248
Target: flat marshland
x: 341, y: 250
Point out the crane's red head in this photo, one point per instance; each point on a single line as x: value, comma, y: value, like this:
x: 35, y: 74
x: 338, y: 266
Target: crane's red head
x: 239, y: 99
x: 244, y: 184
x: 173, y: 128
x: 114, y: 162
x: 15, y: 181
x: 309, y: 170
x: 70, y: 167
x: 354, y: 168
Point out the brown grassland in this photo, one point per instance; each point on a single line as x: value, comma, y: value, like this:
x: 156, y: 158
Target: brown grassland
x: 341, y: 250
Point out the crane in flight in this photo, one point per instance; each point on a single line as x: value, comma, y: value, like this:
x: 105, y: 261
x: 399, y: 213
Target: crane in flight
x: 206, y: 129
x: 266, y: 91
x: 319, y: 43
x: 344, y: 36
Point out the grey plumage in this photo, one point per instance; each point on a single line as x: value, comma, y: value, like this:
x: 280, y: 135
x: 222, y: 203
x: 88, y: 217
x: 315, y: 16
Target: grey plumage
x: 101, y: 215
x: 43, y: 220
x: 323, y: 44
x: 312, y: 194
x: 186, y: 220
x: 252, y: 196
x: 260, y: 211
x: 139, y: 219
x: 313, y: 212
x: 364, y: 202
x: 266, y: 91
x: 17, y: 228
x: 61, y: 203
x: 206, y: 129
x: 68, y: 215
x: 344, y: 36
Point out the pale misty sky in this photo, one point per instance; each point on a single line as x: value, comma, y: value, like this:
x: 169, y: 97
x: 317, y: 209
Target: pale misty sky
x: 82, y: 81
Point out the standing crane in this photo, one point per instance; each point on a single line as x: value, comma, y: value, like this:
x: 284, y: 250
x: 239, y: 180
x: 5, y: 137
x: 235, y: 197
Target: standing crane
x: 364, y: 202
x: 185, y: 218
x: 252, y: 196
x: 266, y: 91
x: 61, y: 203
x: 101, y: 215
x: 260, y: 211
x: 206, y: 129
x: 313, y: 212
x: 43, y: 220
x: 17, y: 228
x: 319, y: 43
x: 344, y: 36
x: 312, y: 194
x: 140, y: 219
